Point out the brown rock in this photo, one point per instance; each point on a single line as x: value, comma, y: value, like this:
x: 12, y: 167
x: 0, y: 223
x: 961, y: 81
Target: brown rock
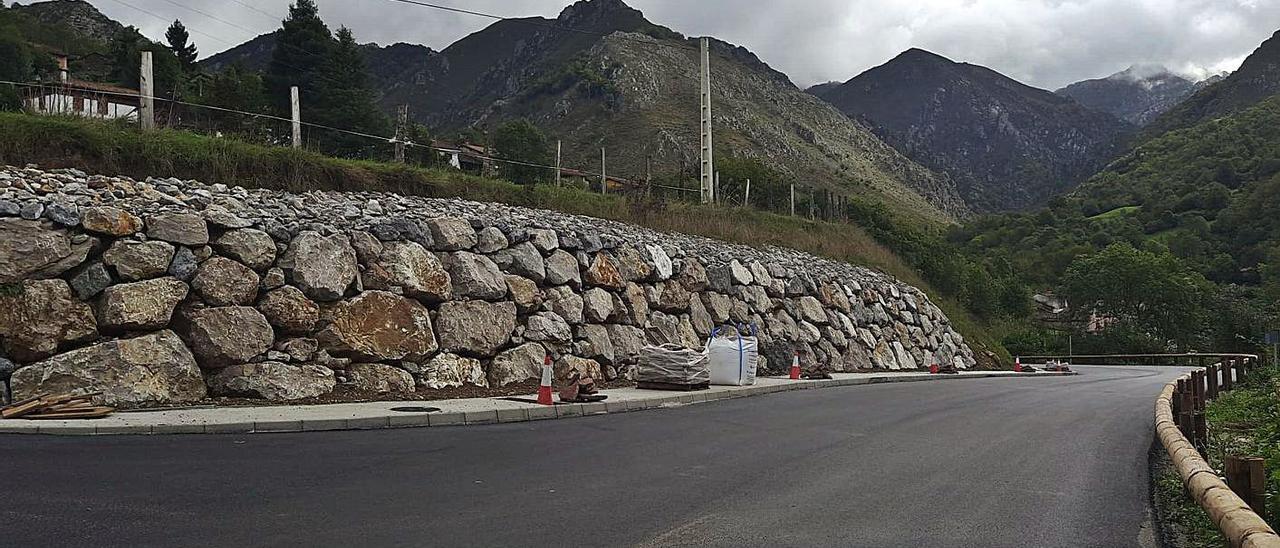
x: 418, y: 272
x: 151, y: 369
x: 111, y: 221
x: 379, y: 378
x: 525, y: 293
x: 139, y: 305
x: 475, y: 328
x: 228, y: 335
x: 253, y: 248
x: 41, y: 316
x: 178, y: 228
x: 290, y: 310
x: 27, y: 248
x: 604, y: 273
x: 223, y: 282
x: 135, y: 261
x: 377, y: 325
x: 272, y: 381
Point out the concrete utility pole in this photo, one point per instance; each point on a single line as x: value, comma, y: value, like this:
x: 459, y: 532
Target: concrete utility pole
x: 146, y: 86
x: 793, y: 200
x: 746, y: 198
x: 604, y: 180
x: 558, y: 162
x: 708, y: 160
x: 296, y: 108
x: 715, y: 189
x: 402, y: 132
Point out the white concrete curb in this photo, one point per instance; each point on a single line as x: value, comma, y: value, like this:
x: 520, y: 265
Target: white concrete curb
x: 378, y: 415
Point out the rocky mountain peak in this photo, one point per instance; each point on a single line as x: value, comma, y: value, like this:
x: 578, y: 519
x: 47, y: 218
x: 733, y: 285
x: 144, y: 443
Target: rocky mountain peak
x: 77, y: 15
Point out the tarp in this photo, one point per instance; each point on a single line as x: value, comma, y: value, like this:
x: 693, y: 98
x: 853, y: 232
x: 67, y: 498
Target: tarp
x: 672, y: 364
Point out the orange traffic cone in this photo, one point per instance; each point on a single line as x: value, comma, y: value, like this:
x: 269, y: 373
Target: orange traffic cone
x: 795, y: 367
x: 544, y: 390
x: 1017, y: 365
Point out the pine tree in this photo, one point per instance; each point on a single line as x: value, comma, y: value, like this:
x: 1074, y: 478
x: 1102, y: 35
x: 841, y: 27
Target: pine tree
x: 178, y: 39
x: 302, y: 48
x: 522, y: 141
x: 347, y: 101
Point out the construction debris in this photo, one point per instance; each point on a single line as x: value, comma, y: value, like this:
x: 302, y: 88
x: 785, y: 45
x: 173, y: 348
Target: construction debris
x: 51, y: 407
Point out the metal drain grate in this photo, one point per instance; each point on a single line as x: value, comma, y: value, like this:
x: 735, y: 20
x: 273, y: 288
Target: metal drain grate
x: 415, y: 409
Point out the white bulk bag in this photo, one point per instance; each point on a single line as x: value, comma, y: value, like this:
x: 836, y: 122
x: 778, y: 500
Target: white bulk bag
x: 732, y: 358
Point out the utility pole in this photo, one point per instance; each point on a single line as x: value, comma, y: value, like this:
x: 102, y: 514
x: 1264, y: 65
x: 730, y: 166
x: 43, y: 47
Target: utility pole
x: 708, y: 160
x: 715, y: 189
x: 648, y: 176
x: 402, y: 133
x: 558, y: 162
x: 604, y: 180
x: 146, y: 86
x: 793, y: 200
x: 746, y: 198
x: 296, y: 108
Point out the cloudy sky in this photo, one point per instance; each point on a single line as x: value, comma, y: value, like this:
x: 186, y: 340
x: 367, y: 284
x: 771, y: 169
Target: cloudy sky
x: 1046, y: 43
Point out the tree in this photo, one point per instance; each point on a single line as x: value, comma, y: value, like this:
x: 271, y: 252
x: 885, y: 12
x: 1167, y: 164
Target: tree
x: 179, y: 44
x: 126, y: 53
x: 235, y: 88
x: 345, y: 100
x: 15, y: 66
x: 302, y: 48
x: 522, y: 141
x: 1142, y: 292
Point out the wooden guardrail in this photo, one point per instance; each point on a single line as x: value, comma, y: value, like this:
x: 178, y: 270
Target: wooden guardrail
x: 1187, y: 359
x: 1180, y: 425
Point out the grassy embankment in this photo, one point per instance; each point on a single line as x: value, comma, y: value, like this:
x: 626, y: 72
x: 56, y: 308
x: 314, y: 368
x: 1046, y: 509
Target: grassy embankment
x: 1244, y: 422
x: 110, y: 148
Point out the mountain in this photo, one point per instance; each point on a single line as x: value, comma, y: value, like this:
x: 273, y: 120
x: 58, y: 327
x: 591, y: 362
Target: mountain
x: 1137, y: 95
x: 79, y: 15
x: 601, y: 75
x: 1258, y: 78
x: 1007, y: 145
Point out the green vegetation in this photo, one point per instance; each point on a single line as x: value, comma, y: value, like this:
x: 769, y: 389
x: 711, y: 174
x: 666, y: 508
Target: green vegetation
x: 1185, y: 524
x: 1246, y: 422
x: 521, y: 141
x: 1203, y: 202
x: 115, y: 148
x: 589, y: 80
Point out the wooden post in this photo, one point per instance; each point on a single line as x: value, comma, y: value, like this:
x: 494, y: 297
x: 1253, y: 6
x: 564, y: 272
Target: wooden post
x: 746, y: 197
x: 402, y: 132
x: 146, y: 87
x: 295, y: 107
x: 1186, y: 409
x: 1212, y: 393
x: 558, y: 143
x: 1248, y: 478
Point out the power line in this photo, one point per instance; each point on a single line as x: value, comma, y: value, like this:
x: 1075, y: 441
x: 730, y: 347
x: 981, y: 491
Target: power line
x: 391, y: 140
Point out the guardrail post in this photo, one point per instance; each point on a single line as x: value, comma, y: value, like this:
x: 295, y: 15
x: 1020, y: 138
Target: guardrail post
x: 1186, y: 409
x: 1228, y: 370
x: 1212, y: 392
x: 1242, y: 370
x: 1247, y: 477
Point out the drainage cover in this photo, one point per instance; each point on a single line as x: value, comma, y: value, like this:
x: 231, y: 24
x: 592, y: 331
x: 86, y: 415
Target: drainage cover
x: 415, y: 409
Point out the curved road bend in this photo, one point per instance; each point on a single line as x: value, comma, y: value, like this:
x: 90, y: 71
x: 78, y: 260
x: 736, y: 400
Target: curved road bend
x: 1029, y: 462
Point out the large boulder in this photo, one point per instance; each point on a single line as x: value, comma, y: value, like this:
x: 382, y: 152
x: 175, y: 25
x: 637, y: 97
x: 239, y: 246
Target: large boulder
x: 135, y: 261
x: 519, y: 364
x: 475, y: 277
x: 633, y: 264
x: 379, y: 378
x: 27, y: 248
x: 139, y: 305
x: 151, y: 369
x: 111, y: 221
x: 321, y: 266
x: 547, y: 327
x: 594, y: 343
x: 525, y: 293
x: 452, y: 233
x: 252, y: 247
x: 566, y: 303
x: 448, y: 370
x: 627, y: 341
x: 410, y: 267
x: 289, y: 310
x: 378, y: 326
x: 604, y: 273
x: 567, y: 366
x: 223, y: 282
x: 224, y: 336
x: 475, y: 328
x: 597, y: 305
x: 272, y: 381
x: 178, y: 228
x: 562, y: 268
x: 522, y: 260
x: 40, y: 316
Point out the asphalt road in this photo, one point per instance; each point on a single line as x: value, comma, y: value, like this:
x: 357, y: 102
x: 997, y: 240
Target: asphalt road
x: 1016, y: 462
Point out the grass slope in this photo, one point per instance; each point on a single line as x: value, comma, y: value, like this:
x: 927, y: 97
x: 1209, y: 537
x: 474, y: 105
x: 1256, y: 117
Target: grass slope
x: 116, y: 149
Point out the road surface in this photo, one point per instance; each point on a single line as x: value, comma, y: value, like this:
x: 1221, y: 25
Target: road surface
x: 990, y: 462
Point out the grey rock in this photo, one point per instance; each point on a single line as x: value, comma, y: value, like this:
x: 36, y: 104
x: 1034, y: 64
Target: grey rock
x: 89, y: 280
x: 490, y: 240
x: 547, y: 327
x: 519, y: 364
x: 475, y: 277
x: 253, y: 248
x: 178, y: 228
x: 597, y: 305
x: 562, y: 268
x: 31, y: 211
x: 522, y: 260
x: 27, y: 250
x: 184, y: 264
x: 451, y: 234
x: 226, y: 336
x: 42, y: 316
x: 63, y: 214
x: 321, y: 266
x: 379, y: 378
x: 543, y: 239
x: 475, y: 328
x: 452, y: 371
x: 139, y: 306
x: 151, y: 369
x: 223, y: 282
x: 135, y: 261
x: 272, y: 381
x: 565, y: 303
x: 418, y: 273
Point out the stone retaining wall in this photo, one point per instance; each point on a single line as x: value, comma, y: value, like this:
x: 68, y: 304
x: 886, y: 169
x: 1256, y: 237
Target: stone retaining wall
x: 168, y: 291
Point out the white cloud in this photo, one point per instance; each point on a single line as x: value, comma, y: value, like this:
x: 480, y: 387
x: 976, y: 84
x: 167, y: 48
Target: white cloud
x: 1046, y: 43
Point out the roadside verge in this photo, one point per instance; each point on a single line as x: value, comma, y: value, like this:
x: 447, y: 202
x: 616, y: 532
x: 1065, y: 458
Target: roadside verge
x: 1238, y: 523
x: 378, y: 415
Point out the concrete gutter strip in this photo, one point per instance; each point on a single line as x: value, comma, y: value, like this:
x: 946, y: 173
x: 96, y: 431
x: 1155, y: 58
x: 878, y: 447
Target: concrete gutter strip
x: 377, y: 415
x: 1234, y: 518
